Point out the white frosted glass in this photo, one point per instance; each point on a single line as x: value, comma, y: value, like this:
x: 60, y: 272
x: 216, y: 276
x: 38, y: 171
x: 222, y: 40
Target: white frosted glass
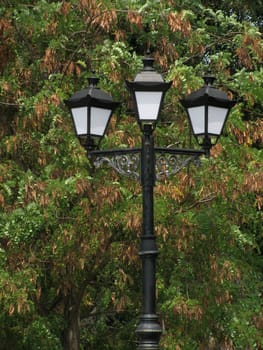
x: 197, y: 116
x: 148, y: 103
x: 99, y: 120
x: 80, y: 119
x: 216, y: 119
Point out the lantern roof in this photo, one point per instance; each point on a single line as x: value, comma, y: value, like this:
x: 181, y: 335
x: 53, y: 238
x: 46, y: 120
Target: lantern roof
x: 208, y: 94
x: 148, y: 79
x: 91, y: 95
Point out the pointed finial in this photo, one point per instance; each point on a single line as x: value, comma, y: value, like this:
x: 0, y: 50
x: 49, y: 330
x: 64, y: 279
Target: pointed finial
x: 148, y: 61
x: 93, y: 80
x: 209, y: 79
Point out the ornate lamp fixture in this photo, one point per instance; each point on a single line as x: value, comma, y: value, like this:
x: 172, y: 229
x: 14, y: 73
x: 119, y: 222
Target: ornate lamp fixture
x: 148, y: 90
x: 91, y: 110
x: 207, y: 109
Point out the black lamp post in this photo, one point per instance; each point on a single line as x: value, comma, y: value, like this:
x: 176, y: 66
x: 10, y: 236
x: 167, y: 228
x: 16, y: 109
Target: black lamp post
x: 148, y: 89
x: 91, y: 110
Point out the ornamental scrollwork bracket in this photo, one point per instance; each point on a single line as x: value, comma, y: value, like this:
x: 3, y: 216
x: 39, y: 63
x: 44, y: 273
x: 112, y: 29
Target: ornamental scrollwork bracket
x: 126, y: 162
x: 168, y: 165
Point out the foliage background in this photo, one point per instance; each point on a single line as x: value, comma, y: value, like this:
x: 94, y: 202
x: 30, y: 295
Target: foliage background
x: 68, y: 239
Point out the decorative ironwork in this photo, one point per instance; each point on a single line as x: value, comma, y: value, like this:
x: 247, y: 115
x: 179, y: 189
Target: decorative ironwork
x: 124, y: 164
x: 127, y: 162
x: 168, y: 165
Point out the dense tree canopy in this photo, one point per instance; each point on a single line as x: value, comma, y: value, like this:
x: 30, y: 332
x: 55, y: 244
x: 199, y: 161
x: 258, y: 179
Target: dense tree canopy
x: 69, y: 269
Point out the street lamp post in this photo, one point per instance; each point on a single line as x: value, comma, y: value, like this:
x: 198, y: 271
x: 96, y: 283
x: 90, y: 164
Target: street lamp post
x: 91, y: 110
x: 148, y: 90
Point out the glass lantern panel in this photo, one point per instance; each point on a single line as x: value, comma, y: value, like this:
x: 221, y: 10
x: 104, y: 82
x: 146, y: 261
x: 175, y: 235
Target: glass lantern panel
x: 216, y: 119
x: 197, y: 117
x: 148, y: 104
x: 99, y: 120
x: 80, y: 116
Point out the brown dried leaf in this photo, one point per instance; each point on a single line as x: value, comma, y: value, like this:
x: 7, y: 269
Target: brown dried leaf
x: 65, y: 8
x: 135, y: 18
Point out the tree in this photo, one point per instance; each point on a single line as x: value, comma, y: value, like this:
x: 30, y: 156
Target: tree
x: 69, y: 269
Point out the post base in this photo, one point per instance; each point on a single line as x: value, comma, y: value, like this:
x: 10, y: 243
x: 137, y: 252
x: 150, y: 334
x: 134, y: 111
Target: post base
x: 148, y: 332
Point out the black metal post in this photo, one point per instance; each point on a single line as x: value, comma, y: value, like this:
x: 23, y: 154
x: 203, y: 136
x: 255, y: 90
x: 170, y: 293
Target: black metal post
x: 148, y: 330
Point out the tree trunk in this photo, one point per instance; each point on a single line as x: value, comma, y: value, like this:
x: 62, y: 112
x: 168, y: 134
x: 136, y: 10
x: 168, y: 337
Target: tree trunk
x: 71, y: 338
